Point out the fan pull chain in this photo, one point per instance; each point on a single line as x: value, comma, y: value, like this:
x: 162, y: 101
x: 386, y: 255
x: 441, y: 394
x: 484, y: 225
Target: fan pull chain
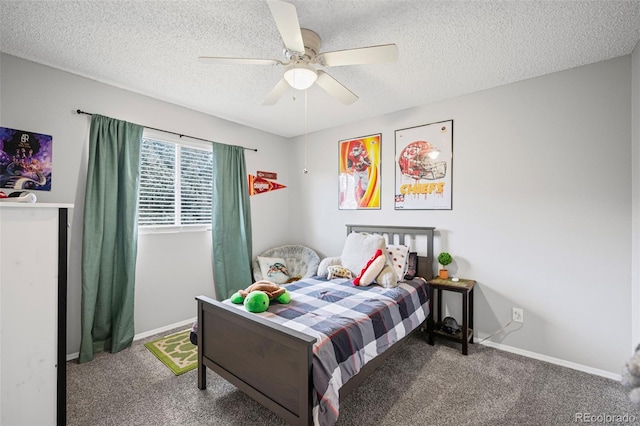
x: 305, y: 170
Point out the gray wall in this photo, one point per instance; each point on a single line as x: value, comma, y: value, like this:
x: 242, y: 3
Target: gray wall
x: 542, y: 195
x: 541, y: 207
x: 635, y: 236
x: 172, y: 268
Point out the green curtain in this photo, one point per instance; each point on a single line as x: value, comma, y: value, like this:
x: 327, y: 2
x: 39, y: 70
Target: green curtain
x: 110, y: 239
x: 230, y: 221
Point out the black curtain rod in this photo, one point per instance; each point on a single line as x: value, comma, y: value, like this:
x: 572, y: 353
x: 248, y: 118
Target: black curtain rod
x: 79, y: 111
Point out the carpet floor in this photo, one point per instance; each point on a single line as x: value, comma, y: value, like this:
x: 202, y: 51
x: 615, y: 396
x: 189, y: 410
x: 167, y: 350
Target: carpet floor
x: 418, y: 385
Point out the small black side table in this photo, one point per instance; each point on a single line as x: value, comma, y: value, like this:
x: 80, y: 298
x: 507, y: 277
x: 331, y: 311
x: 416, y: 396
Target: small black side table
x: 463, y: 286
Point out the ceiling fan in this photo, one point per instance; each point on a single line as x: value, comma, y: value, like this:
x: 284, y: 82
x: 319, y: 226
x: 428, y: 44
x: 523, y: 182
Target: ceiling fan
x: 302, y: 51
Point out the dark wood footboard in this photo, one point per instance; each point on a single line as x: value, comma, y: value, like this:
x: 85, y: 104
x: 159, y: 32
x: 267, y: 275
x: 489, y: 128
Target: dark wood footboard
x: 244, y: 349
x: 241, y: 347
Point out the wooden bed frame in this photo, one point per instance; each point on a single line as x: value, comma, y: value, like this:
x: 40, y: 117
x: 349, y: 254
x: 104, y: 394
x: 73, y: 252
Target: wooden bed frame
x: 238, y: 345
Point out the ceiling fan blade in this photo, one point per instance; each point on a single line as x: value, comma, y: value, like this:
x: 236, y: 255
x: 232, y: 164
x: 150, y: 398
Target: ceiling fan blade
x: 276, y: 93
x: 286, y: 19
x: 237, y: 61
x: 359, y: 56
x: 335, y: 89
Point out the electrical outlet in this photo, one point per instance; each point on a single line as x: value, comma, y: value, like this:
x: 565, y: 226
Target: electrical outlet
x: 517, y: 315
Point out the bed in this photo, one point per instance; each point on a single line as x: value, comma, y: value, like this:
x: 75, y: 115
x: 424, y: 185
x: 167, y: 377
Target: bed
x: 240, y: 346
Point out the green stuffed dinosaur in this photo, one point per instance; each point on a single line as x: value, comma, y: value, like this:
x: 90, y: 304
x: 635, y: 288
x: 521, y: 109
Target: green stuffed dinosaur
x: 257, y: 296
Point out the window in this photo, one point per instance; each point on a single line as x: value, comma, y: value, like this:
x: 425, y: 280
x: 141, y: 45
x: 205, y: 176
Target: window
x: 175, y: 185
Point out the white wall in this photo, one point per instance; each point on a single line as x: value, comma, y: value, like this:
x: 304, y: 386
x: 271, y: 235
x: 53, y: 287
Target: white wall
x: 172, y: 268
x: 635, y: 237
x: 541, y: 207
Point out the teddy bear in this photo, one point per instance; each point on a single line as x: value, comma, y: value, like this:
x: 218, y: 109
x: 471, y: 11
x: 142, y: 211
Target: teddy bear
x: 631, y: 378
x: 257, y: 296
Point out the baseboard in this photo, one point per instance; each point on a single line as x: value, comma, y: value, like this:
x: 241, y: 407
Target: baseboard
x: 162, y: 329
x: 499, y: 346
x: 553, y: 360
x: 146, y: 334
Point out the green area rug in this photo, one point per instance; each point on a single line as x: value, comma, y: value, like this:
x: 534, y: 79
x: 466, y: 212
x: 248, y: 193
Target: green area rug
x: 176, y: 352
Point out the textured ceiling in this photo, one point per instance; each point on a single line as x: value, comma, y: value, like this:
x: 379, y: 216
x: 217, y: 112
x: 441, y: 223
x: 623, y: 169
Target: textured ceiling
x: 447, y: 49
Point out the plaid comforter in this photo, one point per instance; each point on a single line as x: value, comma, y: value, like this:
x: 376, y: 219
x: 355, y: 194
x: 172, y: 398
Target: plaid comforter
x: 352, y: 326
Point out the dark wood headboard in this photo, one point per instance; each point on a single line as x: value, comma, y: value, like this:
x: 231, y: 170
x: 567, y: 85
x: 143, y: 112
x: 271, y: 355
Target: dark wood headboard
x: 406, y: 235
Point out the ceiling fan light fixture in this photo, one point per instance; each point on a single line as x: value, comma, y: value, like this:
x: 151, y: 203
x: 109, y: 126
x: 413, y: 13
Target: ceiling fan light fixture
x: 301, y: 76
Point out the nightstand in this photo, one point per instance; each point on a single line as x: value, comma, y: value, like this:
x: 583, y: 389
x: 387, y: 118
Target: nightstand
x: 463, y: 286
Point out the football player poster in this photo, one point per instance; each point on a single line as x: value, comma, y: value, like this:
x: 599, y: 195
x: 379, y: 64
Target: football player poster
x: 359, y: 173
x: 424, y: 156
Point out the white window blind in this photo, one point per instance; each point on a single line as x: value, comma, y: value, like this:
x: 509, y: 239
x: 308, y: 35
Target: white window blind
x: 175, y: 185
x: 196, y: 168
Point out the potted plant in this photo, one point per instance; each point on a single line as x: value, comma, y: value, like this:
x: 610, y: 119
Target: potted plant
x: 444, y: 259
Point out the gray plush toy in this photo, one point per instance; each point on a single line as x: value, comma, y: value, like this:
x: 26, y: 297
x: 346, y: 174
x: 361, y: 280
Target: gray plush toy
x: 631, y: 378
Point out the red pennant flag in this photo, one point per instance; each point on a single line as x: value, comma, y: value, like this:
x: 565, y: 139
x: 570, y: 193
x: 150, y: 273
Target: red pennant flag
x: 258, y: 185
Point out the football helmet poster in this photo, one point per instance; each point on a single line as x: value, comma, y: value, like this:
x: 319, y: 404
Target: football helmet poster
x: 359, y: 173
x: 423, y: 164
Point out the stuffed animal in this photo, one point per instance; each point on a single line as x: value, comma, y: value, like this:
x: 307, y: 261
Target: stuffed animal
x: 257, y: 296
x: 371, y: 269
x: 631, y: 378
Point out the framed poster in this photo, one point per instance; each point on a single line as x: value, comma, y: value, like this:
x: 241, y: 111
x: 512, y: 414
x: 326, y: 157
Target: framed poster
x: 424, y: 156
x: 25, y: 160
x: 359, y: 173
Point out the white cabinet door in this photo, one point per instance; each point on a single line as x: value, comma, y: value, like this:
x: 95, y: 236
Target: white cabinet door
x: 28, y: 315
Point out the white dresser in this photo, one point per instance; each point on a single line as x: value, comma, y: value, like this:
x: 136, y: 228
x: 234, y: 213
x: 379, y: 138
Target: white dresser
x: 33, y: 286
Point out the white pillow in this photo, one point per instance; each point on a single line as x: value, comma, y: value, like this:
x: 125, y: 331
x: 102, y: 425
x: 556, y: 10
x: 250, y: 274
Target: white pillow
x: 387, y: 277
x: 323, y: 268
x: 359, y: 248
x: 273, y: 269
x: 399, y: 257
